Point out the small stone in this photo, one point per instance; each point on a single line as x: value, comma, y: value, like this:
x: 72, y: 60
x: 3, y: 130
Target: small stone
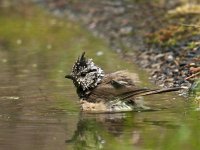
x: 126, y: 30
x: 170, y: 58
x: 192, y: 64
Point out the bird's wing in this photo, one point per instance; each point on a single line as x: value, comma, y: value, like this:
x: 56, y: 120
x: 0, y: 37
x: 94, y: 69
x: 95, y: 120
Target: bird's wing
x: 120, y: 86
x: 109, y: 92
x: 116, y: 85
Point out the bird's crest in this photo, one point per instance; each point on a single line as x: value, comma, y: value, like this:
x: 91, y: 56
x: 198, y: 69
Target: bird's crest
x: 85, y: 75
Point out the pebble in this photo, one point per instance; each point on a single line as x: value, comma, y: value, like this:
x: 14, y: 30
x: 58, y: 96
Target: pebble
x: 119, y: 23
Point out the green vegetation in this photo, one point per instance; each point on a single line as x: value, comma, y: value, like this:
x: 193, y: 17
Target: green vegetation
x: 40, y: 49
x: 179, y: 24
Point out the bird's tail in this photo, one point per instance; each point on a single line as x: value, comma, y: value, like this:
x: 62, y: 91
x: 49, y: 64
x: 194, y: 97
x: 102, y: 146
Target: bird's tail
x: 158, y: 91
x: 144, y: 92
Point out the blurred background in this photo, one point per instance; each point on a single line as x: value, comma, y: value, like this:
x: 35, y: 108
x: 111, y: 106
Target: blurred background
x: 41, y: 39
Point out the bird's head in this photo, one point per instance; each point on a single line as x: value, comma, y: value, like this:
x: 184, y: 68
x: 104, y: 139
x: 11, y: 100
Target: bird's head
x: 85, y: 74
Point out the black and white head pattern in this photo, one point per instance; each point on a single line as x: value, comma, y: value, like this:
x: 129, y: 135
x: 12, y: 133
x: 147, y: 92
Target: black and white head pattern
x: 85, y: 74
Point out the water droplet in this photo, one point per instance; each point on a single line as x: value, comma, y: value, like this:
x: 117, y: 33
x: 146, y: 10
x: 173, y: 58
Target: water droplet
x: 4, y: 60
x: 19, y: 42
x: 49, y: 46
x: 99, y: 53
x: 12, y: 97
x: 34, y: 65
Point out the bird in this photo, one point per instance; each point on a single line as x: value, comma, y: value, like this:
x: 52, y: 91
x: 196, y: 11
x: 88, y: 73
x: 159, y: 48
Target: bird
x: 112, y: 92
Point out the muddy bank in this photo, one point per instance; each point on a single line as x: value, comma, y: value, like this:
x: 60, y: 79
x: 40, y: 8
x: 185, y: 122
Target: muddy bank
x: 161, y: 36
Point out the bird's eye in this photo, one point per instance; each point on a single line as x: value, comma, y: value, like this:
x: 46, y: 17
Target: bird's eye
x: 83, y: 74
x: 92, y: 70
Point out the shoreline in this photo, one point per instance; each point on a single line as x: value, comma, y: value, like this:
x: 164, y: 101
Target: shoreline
x: 146, y: 33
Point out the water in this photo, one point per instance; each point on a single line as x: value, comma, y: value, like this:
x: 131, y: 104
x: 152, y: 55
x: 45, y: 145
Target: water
x: 38, y: 106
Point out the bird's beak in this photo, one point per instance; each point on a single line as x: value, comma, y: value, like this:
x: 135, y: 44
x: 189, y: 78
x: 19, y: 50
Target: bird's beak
x: 69, y: 77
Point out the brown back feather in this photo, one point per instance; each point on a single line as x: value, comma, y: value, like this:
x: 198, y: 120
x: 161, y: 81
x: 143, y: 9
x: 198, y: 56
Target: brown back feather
x: 106, y: 91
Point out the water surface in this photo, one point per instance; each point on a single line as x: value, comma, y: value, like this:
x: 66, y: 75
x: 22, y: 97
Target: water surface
x: 39, y: 107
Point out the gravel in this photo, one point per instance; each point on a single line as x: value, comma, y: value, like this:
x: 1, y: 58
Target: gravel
x: 124, y: 25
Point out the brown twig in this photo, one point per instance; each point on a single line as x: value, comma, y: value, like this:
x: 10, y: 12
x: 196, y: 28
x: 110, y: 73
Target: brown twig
x: 193, y: 75
x: 189, y: 25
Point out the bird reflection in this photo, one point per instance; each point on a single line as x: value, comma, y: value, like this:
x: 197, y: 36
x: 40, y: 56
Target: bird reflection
x: 119, y: 130
x: 93, y: 130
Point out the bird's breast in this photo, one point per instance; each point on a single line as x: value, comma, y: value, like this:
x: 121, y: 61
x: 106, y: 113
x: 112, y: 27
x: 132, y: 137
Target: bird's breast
x: 112, y: 106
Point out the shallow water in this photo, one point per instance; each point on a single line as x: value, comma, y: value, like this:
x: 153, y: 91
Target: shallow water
x: 38, y: 106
